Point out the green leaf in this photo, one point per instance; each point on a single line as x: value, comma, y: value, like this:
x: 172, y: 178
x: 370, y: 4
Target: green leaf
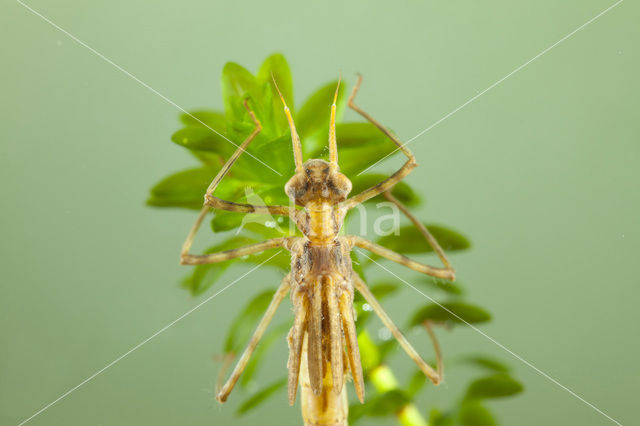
x: 475, y: 414
x: 200, y: 138
x: 437, y: 418
x: 444, y: 285
x: 359, y: 135
x: 314, y: 114
x: 486, y: 362
x: 418, y: 380
x: 275, y: 67
x: 204, y: 276
x: 387, y: 403
x: 275, y: 335
x: 204, y: 118
x: 411, y: 240
x: 238, y: 84
x: 354, y: 160
x: 456, y: 312
x: 261, y: 396
x: 182, y: 189
x: 402, y: 191
x: 223, y: 221
x: 369, y: 354
x: 243, y: 325
x: 496, y: 386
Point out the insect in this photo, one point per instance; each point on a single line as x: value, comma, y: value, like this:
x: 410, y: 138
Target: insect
x: 323, y: 344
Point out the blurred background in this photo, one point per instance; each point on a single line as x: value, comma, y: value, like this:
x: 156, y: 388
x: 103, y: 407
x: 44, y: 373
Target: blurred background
x: 540, y: 172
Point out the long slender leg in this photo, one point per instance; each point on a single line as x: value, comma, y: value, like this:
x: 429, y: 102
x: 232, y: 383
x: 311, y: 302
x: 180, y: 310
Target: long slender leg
x: 423, y: 230
x: 199, y: 259
x: 394, y: 178
x: 434, y: 375
x: 314, y: 342
x: 257, y: 335
x: 336, y: 340
x: 211, y: 201
x: 445, y: 273
x: 296, y: 340
x: 345, y: 304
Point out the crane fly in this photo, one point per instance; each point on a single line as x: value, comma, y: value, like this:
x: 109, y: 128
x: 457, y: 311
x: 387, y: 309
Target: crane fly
x: 323, y: 345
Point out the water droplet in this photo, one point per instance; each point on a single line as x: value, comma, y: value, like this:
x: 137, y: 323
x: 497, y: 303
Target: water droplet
x: 384, y: 333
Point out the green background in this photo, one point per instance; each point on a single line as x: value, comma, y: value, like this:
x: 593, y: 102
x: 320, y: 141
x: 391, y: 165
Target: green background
x: 541, y: 172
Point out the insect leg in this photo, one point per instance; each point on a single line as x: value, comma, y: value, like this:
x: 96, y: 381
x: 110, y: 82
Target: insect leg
x: 393, y: 179
x: 257, y: 335
x: 296, y: 340
x: 336, y: 341
x: 433, y: 375
x: 199, y: 259
x: 423, y: 230
x: 314, y: 333
x: 211, y: 201
x: 345, y: 304
x: 445, y: 273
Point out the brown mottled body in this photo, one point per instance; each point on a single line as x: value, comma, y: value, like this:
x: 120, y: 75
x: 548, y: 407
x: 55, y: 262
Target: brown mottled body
x: 323, y: 343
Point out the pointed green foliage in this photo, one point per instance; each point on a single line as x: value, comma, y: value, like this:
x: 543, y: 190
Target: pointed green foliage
x: 203, y: 139
x: 313, y: 116
x: 238, y: 84
x: 204, y: 131
x: 453, y: 312
x: 496, y: 386
x: 261, y: 396
x: 359, y: 135
x: 245, y: 322
x: 473, y: 413
x: 355, y: 160
x: 401, y: 191
x: 277, y: 335
x: 204, y: 276
x: 411, y: 241
x: 223, y: 221
x: 360, y: 144
x: 275, y: 67
x: 182, y: 189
